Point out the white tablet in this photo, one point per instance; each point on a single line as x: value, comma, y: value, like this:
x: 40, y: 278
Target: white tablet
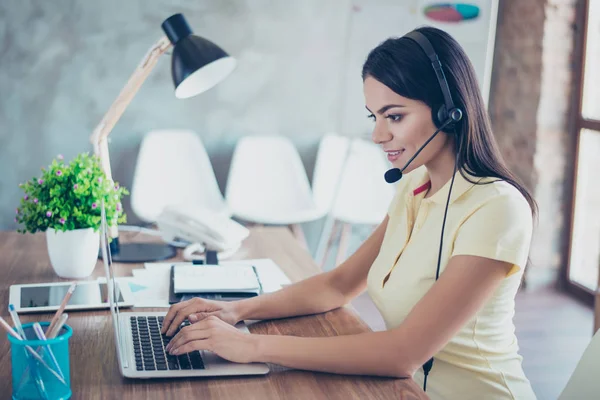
x: 88, y: 295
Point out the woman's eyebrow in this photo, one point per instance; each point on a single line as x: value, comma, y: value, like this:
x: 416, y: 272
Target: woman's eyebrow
x: 385, y: 108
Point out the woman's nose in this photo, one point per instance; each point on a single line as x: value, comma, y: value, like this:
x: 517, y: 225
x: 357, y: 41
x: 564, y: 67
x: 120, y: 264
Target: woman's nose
x: 381, y: 134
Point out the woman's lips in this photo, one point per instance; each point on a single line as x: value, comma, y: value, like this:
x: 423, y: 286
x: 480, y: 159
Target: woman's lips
x: 393, y: 155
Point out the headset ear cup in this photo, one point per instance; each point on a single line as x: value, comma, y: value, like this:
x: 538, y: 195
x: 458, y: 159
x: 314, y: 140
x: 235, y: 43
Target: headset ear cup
x: 440, y: 116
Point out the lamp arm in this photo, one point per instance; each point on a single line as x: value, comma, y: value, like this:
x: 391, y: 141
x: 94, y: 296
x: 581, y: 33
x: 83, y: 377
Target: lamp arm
x: 136, y: 80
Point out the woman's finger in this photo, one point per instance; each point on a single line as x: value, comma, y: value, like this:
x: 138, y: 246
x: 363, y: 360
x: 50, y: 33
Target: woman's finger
x: 201, y: 344
x: 200, y: 316
x: 187, y: 335
x: 181, y: 316
x: 171, y: 315
x: 186, y: 331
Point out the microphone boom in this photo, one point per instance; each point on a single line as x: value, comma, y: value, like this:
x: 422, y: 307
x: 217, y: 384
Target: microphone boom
x: 395, y: 174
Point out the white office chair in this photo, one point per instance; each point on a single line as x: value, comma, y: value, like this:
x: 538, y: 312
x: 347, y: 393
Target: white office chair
x: 585, y: 383
x: 173, y: 169
x: 267, y: 184
x: 362, y: 196
x: 329, y: 163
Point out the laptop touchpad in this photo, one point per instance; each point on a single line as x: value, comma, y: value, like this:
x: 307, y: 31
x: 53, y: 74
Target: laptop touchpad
x: 211, y: 359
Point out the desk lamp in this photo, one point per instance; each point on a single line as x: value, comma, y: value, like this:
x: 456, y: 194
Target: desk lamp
x: 196, y: 66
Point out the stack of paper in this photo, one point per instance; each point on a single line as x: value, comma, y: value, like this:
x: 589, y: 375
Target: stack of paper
x: 150, y: 285
x: 216, y: 279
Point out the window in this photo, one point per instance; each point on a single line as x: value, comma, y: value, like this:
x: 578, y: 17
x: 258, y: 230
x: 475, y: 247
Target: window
x: 584, y: 252
x: 585, y: 237
x: 591, y: 93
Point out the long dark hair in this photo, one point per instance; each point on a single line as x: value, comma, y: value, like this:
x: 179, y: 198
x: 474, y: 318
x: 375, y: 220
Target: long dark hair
x: 401, y: 65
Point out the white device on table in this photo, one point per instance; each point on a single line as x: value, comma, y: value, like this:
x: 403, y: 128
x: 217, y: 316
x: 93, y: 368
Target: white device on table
x: 202, y: 228
x: 215, y: 279
x: 46, y: 297
x: 147, y: 358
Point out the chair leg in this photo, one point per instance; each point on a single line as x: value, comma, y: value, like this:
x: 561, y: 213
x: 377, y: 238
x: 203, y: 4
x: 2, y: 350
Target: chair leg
x: 330, y: 239
x: 343, y: 245
x: 597, y: 311
x: 299, y: 234
x: 324, y: 239
x: 524, y: 280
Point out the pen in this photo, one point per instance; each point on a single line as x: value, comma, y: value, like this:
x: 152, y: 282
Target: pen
x: 63, y: 304
x: 54, y: 333
x: 36, y: 372
x: 14, y: 334
x: 40, y: 334
x: 51, y: 335
x: 10, y: 331
x: 16, y: 321
x: 38, y: 379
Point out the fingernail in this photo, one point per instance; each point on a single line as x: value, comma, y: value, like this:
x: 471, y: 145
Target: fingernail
x: 175, y: 352
x: 193, y: 317
x: 168, y: 347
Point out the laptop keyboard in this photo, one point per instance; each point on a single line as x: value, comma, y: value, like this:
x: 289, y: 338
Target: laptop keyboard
x: 149, y: 347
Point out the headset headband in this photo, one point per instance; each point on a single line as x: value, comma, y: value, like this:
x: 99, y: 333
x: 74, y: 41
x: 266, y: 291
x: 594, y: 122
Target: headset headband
x: 426, y: 46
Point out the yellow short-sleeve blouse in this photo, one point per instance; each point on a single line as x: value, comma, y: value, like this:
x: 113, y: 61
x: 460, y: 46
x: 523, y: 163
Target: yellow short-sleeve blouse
x: 490, y: 220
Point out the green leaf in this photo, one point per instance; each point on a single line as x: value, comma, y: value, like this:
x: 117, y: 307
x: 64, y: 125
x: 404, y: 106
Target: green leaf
x: 57, y: 194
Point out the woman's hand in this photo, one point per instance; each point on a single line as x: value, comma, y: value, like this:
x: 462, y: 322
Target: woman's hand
x: 215, y: 335
x: 196, y: 310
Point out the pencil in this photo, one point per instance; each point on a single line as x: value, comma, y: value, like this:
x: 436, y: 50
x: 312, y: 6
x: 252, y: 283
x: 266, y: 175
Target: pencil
x: 10, y: 331
x: 39, y: 332
x: 60, y: 310
x: 56, y: 330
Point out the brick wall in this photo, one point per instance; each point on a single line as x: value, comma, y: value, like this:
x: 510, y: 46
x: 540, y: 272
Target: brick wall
x: 516, y: 82
x: 530, y: 102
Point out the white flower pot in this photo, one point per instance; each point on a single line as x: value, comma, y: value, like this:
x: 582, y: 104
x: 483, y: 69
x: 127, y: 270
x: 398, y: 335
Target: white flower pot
x: 73, y: 254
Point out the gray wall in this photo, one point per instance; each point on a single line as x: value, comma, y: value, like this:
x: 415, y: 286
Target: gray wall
x: 63, y: 62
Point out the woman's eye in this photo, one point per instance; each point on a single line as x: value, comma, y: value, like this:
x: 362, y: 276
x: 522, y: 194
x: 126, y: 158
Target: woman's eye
x: 371, y: 117
x: 394, y: 117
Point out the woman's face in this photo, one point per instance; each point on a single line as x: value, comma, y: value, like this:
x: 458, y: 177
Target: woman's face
x: 402, y: 126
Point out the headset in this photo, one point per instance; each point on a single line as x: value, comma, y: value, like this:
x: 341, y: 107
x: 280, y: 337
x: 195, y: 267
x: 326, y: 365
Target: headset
x: 447, y: 115
x: 447, y: 111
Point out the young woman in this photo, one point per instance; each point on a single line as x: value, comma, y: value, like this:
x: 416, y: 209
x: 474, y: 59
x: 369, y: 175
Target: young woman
x: 459, y: 181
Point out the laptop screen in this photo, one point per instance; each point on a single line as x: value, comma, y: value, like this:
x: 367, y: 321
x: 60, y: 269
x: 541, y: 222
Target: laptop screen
x: 113, y: 294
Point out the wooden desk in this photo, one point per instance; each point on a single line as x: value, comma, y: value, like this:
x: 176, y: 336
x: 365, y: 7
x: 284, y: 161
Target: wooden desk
x: 94, y: 366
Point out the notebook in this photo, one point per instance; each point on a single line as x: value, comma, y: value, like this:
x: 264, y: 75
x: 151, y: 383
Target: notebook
x: 215, y: 282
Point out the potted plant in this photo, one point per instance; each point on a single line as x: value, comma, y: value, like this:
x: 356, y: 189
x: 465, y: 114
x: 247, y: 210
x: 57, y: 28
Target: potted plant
x: 65, y: 202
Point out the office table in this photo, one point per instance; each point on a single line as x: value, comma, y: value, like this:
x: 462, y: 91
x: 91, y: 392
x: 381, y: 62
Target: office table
x: 94, y: 366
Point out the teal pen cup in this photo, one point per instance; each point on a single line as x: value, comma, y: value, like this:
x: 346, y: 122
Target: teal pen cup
x: 30, y: 378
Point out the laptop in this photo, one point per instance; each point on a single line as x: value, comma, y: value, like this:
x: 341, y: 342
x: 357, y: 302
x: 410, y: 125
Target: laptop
x: 140, y: 345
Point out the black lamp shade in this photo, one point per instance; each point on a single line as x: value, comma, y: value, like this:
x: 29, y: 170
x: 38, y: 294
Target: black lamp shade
x: 197, y: 64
